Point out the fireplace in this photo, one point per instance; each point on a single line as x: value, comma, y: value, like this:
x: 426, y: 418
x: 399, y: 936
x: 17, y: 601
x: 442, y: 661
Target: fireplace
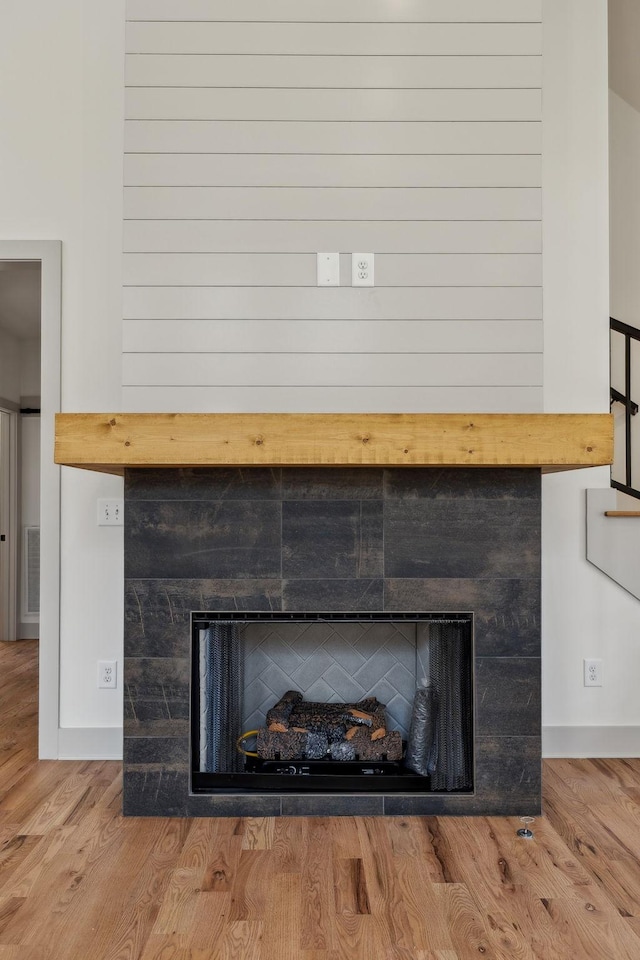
x: 332, y: 703
x: 361, y: 543
x: 365, y: 514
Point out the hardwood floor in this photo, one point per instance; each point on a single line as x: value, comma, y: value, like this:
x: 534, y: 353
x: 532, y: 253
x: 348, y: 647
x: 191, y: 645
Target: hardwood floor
x: 79, y: 882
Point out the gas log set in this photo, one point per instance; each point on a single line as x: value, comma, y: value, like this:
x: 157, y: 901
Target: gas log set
x: 298, y: 729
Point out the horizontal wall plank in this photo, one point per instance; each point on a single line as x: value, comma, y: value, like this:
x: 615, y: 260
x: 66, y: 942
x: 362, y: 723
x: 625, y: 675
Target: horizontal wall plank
x: 272, y: 270
x: 337, y: 10
x: 154, y: 103
x: 327, y: 203
x: 321, y: 369
x: 257, y: 134
x: 250, y: 399
x: 237, y: 136
x: 355, y: 39
x: 252, y: 170
x: 333, y: 336
x: 340, y: 303
x: 228, y: 70
x: 456, y: 236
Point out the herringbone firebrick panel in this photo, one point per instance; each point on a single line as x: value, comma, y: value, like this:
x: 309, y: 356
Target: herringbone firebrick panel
x: 330, y: 662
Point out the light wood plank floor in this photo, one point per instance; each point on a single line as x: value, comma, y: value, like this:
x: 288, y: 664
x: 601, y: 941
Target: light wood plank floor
x: 79, y: 882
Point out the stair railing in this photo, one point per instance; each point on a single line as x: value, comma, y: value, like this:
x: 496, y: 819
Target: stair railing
x: 630, y: 407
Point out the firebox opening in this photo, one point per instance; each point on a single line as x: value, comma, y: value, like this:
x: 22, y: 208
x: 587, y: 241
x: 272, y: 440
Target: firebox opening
x: 332, y: 703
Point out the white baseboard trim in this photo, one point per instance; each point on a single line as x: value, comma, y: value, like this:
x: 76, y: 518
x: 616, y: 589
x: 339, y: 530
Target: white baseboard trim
x: 90, y: 743
x: 579, y: 741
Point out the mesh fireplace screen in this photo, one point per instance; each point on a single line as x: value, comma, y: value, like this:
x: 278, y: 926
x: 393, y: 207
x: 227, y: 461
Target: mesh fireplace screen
x: 450, y: 677
x: 221, y: 689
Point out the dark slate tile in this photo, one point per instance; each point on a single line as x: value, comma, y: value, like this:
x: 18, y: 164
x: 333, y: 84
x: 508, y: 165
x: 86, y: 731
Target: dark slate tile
x: 508, y: 697
x: 241, y: 805
x: 340, y: 805
x: 158, y: 709
x: 332, y: 483
x: 216, y: 540
x: 172, y: 751
x: 157, y: 613
x: 449, y: 483
x: 452, y: 805
x: 423, y: 804
x: 143, y: 709
x: 158, y: 678
x: 320, y: 538
x: 152, y: 792
x: 462, y: 538
x: 157, y: 694
x: 324, y: 596
x: 506, y: 612
x: 371, y: 552
x: 158, y: 726
x: 509, y: 768
x: 203, y: 483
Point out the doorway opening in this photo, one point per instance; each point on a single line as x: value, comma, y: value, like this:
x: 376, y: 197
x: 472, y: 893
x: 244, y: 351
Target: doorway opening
x: 29, y: 480
x: 20, y: 376
x: 8, y: 521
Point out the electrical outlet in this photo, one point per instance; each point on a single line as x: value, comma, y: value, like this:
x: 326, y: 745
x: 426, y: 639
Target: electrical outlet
x: 110, y: 513
x: 592, y: 673
x: 362, y: 267
x: 108, y: 674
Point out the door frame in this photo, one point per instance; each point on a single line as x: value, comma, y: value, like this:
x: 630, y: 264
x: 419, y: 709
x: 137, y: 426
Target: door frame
x: 49, y: 253
x: 10, y: 527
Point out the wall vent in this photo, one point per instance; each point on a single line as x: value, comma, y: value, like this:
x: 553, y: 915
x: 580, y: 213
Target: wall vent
x: 31, y: 574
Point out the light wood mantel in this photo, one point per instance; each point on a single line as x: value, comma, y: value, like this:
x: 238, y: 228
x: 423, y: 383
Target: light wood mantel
x: 110, y: 442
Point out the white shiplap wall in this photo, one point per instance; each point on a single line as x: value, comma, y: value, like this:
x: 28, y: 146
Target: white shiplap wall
x: 259, y: 132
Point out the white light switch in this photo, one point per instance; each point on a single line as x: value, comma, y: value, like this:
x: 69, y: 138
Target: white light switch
x: 110, y: 513
x: 328, y: 269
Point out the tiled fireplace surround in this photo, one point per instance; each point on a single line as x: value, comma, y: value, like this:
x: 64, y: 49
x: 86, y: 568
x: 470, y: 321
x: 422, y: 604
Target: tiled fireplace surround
x: 321, y: 540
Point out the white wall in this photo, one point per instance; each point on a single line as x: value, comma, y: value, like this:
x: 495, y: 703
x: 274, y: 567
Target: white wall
x: 29, y: 445
x: 411, y: 130
x: 9, y: 367
x: 30, y: 434
x: 584, y: 613
x: 61, y: 113
x: 30, y: 471
x: 28, y: 624
x: 30, y: 368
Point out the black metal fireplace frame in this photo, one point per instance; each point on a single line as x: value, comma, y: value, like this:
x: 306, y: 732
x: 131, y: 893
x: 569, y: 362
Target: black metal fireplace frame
x: 281, y: 777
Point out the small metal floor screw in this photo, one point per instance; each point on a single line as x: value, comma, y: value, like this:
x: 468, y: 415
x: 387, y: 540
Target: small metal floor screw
x: 524, y: 832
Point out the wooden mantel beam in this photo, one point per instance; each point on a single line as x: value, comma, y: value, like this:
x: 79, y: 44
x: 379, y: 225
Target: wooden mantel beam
x: 110, y: 442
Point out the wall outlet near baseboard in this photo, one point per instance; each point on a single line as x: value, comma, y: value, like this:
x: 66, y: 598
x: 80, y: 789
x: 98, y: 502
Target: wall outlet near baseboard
x: 107, y: 674
x: 592, y: 673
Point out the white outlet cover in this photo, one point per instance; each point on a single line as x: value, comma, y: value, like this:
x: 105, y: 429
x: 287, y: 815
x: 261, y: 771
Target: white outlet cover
x: 107, y: 674
x: 328, y: 269
x: 362, y: 270
x: 592, y: 672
